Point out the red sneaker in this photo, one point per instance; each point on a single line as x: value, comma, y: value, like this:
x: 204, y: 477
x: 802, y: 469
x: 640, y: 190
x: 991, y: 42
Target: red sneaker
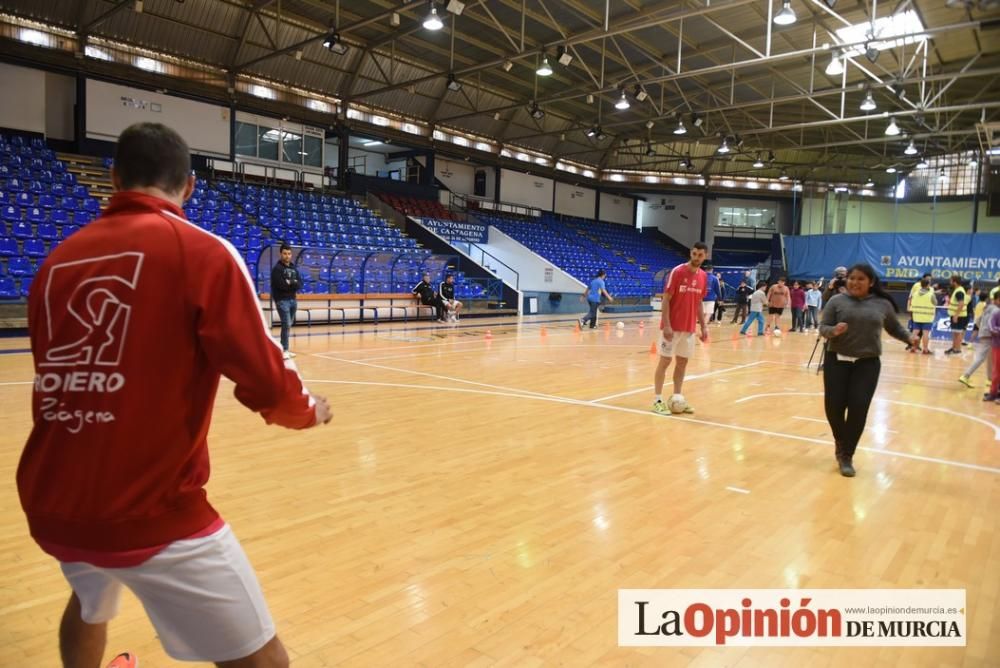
x: 124, y: 660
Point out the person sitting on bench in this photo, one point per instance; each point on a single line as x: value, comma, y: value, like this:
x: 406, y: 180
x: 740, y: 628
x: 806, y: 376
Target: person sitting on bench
x: 428, y: 297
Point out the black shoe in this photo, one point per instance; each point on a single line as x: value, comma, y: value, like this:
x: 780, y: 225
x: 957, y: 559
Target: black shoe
x: 846, y: 467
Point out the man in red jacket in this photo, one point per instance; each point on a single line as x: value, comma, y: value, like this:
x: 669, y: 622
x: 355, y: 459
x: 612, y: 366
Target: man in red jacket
x: 132, y: 320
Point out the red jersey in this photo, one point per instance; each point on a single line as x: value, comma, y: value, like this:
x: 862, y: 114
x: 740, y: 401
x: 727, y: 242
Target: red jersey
x: 132, y: 320
x: 686, y: 290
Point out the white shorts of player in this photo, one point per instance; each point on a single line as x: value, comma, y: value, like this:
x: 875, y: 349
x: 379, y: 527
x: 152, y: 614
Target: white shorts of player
x: 682, y: 345
x: 708, y: 308
x: 201, y: 595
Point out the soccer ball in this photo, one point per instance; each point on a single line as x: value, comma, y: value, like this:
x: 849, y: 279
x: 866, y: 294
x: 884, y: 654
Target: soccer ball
x: 676, y: 403
x: 620, y: 325
x: 777, y: 332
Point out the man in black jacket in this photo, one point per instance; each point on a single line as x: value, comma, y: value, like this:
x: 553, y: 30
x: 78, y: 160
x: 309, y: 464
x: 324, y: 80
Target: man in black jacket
x: 447, y: 291
x: 428, y: 297
x: 743, y: 293
x: 285, y: 282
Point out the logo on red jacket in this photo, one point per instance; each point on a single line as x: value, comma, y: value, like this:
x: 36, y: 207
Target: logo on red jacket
x: 99, y: 290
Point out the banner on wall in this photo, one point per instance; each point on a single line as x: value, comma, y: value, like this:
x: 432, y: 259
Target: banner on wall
x: 456, y: 230
x: 906, y: 257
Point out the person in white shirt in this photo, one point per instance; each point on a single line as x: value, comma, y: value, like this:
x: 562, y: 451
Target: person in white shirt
x: 757, y: 302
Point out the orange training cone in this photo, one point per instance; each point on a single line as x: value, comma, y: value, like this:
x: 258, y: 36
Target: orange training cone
x: 489, y: 334
x: 576, y: 326
x: 652, y: 348
x: 545, y: 332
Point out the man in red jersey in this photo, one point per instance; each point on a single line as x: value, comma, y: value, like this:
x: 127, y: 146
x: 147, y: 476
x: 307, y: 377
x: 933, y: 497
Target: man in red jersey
x: 132, y: 320
x: 682, y: 296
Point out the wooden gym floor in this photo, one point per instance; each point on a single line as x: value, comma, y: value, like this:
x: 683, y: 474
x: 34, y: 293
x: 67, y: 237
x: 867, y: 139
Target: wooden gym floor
x: 480, y: 501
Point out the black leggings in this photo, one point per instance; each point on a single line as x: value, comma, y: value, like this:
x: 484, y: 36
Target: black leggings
x: 849, y: 388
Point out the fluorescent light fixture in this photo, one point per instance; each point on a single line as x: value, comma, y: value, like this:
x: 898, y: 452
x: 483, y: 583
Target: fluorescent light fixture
x: 433, y: 21
x: 680, y: 129
x: 868, y: 104
x: 544, y: 69
x: 35, y: 37
x: 622, y: 103
x: 911, y: 149
x: 95, y: 53
x: 892, y: 129
x: 373, y: 142
x: 890, y: 170
x: 786, y: 16
x: 318, y: 105
x: 836, y: 66
x: 151, y: 65
x: 840, y: 189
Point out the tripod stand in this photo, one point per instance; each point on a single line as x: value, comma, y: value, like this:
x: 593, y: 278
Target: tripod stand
x: 819, y: 365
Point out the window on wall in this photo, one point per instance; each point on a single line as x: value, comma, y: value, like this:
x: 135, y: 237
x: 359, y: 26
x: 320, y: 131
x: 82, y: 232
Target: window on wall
x: 268, y: 140
x: 754, y: 217
x: 291, y: 147
x: 246, y: 139
x: 313, y: 151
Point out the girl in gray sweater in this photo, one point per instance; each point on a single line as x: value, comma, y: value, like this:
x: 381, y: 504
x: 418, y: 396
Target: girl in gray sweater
x: 853, y: 322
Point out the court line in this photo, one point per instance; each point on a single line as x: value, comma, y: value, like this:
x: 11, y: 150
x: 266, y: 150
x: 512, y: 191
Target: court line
x: 622, y: 409
x: 18, y: 382
x: 995, y: 428
x: 809, y: 419
x: 692, y: 377
x: 739, y: 490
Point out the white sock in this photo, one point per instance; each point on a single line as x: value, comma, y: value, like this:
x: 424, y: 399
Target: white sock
x: 659, y: 397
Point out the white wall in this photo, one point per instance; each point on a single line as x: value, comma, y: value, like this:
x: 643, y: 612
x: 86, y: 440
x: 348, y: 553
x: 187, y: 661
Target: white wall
x: 617, y: 209
x: 458, y: 177
x: 112, y: 108
x: 575, y: 201
x: 24, y: 104
x: 60, y: 99
x: 526, y: 190
x: 530, y: 266
x: 677, y: 216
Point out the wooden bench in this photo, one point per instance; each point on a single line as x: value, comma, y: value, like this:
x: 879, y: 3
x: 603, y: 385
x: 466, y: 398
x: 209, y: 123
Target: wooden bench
x: 372, y: 307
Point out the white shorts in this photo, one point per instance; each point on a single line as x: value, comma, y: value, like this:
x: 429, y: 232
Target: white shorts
x: 708, y: 308
x: 682, y: 345
x: 201, y: 595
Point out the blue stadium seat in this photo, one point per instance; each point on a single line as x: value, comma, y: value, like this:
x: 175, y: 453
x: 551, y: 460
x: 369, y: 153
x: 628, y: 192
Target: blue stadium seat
x: 20, y: 266
x: 33, y: 248
x: 48, y: 231
x: 25, y: 286
x: 11, y: 213
x: 24, y: 199
x: 7, y: 288
x: 8, y: 247
x: 22, y: 230
x: 36, y: 215
x: 47, y: 201
x: 59, y: 216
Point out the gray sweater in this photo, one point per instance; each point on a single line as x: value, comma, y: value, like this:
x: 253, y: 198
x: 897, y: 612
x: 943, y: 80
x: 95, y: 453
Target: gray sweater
x: 865, y: 318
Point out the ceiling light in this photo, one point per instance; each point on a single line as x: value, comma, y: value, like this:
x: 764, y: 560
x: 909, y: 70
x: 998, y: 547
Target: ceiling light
x: 973, y: 161
x: 783, y: 176
x: 696, y: 120
x: 649, y: 125
x: 433, y: 21
x: 911, y: 149
x: 871, y: 53
x: 334, y: 44
x: 723, y: 147
x: 536, y: 112
x: 868, y: 104
x: 507, y: 65
x: 591, y: 131
x: 787, y: 15
x: 869, y: 183
x: 563, y: 57
x: 640, y: 94
x: 544, y: 69
x: 622, y: 102
x: 456, y: 7
x: 890, y: 170
x: 650, y: 151
x: 600, y: 134
x: 892, y: 129
x: 923, y: 164
x: 942, y: 176
x: 453, y: 83
x: 758, y: 163
x: 680, y: 130
x: 590, y: 99
x: 373, y: 142
x: 836, y: 66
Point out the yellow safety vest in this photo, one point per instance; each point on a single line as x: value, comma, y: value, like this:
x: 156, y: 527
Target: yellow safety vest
x: 923, y: 305
x: 954, y: 307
